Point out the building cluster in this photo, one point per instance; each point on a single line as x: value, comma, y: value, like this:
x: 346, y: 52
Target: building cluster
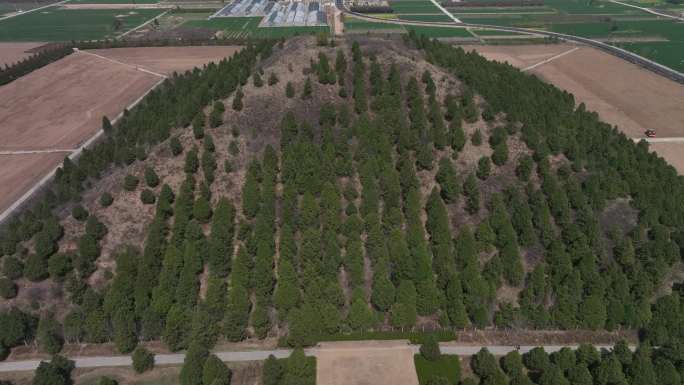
x: 277, y: 13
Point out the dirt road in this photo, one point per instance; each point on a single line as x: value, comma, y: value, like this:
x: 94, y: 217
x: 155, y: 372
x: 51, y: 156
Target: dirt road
x: 259, y: 355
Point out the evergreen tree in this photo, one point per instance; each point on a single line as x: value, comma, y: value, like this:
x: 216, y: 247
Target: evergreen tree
x: 237, y: 100
x: 143, y: 360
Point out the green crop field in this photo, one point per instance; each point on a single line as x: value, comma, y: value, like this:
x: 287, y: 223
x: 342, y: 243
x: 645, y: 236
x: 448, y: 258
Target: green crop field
x: 11, y: 7
x: 278, y: 32
x: 565, y: 7
x: 448, y: 366
x: 356, y: 25
x: 508, y: 21
x: 502, y: 10
x: 570, y: 6
x: 492, y: 32
x: 589, y: 7
x: 414, y: 6
x: 54, y: 24
x: 670, y: 54
x: 435, y: 17
x: 440, y: 31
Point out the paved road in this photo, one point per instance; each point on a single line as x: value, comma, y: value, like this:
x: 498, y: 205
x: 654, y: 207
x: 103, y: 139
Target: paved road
x: 259, y: 355
x: 649, y: 10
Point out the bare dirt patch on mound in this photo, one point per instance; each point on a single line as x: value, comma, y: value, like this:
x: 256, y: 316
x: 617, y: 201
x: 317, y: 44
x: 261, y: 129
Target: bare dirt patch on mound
x: 168, y: 59
x: 365, y: 363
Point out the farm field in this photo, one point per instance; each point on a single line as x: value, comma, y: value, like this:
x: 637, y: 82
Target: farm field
x: 492, y: 32
x: 501, y: 10
x: 359, y: 26
x: 56, y: 24
x: 672, y: 152
x: 18, y: 173
x: 352, y: 24
x: 658, y: 40
x: 9, y: 7
x: 11, y: 53
x: 440, y: 31
x: 520, y: 56
x: 168, y: 59
x: 368, y: 362
x: 68, y: 99
x: 565, y: 6
x: 413, y: 6
x: 667, y: 53
x: 426, y: 17
x: 597, y: 80
x: 246, y: 24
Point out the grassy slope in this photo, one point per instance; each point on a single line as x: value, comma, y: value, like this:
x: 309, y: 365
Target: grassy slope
x: 54, y: 24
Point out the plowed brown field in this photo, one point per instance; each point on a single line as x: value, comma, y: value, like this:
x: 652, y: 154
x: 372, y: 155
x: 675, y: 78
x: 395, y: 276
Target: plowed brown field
x: 622, y: 93
x: 61, y: 105
x: 365, y: 363
x: 168, y: 59
x: 11, y: 53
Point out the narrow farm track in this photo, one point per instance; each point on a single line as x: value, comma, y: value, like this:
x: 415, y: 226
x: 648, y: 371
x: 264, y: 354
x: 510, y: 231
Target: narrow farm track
x: 533, y: 66
x: 136, y: 67
x: 259, y: 355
